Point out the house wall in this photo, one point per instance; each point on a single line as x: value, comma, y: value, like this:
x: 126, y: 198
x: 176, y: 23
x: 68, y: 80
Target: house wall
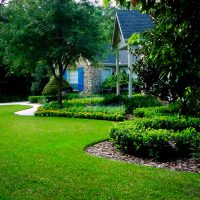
x: 92, y: 77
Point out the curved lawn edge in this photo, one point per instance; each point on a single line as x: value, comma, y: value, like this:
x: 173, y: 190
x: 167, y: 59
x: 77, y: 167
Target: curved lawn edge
x: 111, y: 152
x: 28, y: 111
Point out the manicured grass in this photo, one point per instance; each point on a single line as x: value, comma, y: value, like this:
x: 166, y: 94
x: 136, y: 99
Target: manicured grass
x: 44, y: 158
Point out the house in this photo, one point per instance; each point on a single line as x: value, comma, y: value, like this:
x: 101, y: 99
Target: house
x: 89, y: 78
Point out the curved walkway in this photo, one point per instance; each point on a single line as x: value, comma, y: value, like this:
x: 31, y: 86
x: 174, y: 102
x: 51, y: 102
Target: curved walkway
x: 26, y: 112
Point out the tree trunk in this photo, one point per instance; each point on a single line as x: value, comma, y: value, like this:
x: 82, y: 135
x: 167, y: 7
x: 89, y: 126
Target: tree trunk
x: 60, y: 79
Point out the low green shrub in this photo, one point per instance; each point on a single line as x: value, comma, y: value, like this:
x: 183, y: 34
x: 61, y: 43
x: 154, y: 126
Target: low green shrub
x: 137, y: 101
x: 101, y: 109
x: 41, y: 99
x: 152, y: 111
x: 37, y: 99
x: 168, y: 122
x: 159, y: 144
x: 83, y: 101
x: 187, y: 142
x: 84, y: 108
x: 88, y: 115
x: 72, y: 95
x: 114, y: 100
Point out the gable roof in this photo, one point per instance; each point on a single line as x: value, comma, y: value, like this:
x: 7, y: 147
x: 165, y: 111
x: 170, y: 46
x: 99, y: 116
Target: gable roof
x: 128, y: 22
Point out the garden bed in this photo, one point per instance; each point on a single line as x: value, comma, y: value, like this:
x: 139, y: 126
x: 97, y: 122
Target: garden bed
x: 108, y: 150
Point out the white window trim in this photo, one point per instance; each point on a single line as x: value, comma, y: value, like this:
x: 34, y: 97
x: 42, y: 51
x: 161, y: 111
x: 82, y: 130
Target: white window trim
x: 104, y: 68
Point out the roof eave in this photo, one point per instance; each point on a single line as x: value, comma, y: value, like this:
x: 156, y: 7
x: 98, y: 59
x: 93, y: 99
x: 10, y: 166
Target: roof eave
x: 114, y: 44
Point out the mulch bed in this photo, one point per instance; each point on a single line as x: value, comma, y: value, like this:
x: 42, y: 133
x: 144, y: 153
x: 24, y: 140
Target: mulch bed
x: 108, y: 150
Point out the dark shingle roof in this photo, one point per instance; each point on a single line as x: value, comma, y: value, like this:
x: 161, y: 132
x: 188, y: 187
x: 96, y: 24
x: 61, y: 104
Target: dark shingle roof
x: 132, y: 21
x: 110, y: 59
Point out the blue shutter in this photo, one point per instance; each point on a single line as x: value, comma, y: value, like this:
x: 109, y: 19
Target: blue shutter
x: 80, y: 79
x: 65, y: 75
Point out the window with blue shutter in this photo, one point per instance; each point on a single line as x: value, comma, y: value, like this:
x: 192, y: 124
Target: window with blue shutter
x: 65, y: 75
x: 80, y: 79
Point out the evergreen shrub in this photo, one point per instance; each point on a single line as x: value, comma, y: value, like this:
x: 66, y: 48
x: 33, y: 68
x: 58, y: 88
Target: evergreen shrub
x: 51, y: 87
x: 160, y: 144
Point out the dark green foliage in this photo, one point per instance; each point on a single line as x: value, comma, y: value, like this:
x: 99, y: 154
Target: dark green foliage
x: 111, y: 82
x: 83, y: 108
x: 187, y: 142
x: 79, y: 114
x: 8, y: 98
x: 83, y: 101
x: 40, y: 79
x: 158, y: 144
x: 151, y: 111
x: 168, y: 122
x: 13, y: 84
x: 159, y: 133
x: 52, y: 87
x: 41, y: 99
x: 54, y: 33
x: 170, y: 67
x: 136, y: 101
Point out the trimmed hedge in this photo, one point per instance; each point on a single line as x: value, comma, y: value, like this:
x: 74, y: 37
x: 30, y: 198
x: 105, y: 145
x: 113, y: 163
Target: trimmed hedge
x: 151, y: 111
x: 168, y: 122
x: 87, y: 115
x: 159, y: 144
x: 83, y: 101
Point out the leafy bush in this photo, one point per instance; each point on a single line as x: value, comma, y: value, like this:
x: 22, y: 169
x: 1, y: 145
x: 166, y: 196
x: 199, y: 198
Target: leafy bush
x: 88, y: 115
x: 187, y: 141
x: 111, y: 81
x: 51, y: 87
x: 37, y: 99
x: 41, y: 99
x: 103, y: 109
x: 83, y: 101
x: 159, y: 144
x: 168, y: 122
x: 136, y: 101
x: 151, y: 111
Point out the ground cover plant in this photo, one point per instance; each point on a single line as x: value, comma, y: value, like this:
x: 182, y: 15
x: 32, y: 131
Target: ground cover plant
x: 46, y: 160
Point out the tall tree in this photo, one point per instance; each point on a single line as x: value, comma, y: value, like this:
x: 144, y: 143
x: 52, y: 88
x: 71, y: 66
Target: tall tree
x: 55, y: 32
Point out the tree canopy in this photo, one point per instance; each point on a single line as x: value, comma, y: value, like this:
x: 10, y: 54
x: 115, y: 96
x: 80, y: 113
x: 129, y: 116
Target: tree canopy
x: 54, y: 32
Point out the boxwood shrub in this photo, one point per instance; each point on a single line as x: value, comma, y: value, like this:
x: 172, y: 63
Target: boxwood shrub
x: 37, y: 99
x: 83, y: 101
x: 151, y: 111
x: 88, y: 115
x: 168, y: 122
x: 160, y: 144
x: 137, y: 101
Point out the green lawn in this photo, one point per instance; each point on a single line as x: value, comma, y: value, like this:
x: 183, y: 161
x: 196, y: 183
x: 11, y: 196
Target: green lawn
x: 44, y: 158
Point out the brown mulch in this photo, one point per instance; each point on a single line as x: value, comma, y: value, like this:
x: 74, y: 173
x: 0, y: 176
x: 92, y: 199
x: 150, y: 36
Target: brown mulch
x: 108, y: 150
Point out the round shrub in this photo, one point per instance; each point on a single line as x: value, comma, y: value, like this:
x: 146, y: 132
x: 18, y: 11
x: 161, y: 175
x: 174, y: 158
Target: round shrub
x: 51, y: 87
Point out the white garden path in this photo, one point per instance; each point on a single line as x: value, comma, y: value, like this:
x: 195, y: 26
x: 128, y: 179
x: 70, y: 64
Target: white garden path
x: 26, y: 112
